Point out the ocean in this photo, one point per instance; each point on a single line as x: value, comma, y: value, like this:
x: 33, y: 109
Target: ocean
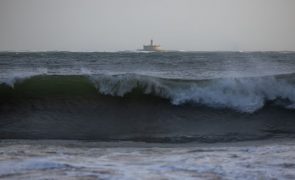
x: 184, y: 100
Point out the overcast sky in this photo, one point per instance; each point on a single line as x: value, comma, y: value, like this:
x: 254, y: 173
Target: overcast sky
x: 110, y: 25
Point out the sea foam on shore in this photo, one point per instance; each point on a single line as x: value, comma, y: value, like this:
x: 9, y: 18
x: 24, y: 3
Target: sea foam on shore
x: 126, y: 160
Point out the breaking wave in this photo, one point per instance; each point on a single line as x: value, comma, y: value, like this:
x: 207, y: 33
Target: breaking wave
x: 242, y: 94
x: 247, y: 94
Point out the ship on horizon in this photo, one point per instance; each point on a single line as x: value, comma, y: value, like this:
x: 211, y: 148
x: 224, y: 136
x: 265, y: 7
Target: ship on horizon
x: 152, y: 47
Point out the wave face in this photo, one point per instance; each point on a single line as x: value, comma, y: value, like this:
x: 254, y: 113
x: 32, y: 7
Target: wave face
x: 158, y: 97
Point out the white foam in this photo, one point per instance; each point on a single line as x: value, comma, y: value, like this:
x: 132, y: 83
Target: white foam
x: 12, y: 77
x: 242, y: 94
x: 255, y: 160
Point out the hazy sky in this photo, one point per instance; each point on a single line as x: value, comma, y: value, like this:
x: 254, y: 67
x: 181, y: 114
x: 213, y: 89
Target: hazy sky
x: 109, y: 25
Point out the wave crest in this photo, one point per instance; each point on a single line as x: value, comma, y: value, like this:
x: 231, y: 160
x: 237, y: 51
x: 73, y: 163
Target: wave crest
x: 242, y: 94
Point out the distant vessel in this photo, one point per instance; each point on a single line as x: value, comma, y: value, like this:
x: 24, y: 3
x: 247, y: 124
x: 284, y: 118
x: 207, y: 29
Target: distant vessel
x: 152, y: 47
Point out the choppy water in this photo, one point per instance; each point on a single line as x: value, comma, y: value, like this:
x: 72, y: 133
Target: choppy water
x: 175, y: 65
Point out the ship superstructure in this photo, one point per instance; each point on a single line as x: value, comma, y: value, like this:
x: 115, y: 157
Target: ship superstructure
x: 152, y: 47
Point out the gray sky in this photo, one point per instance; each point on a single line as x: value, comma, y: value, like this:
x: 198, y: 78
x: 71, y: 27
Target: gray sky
x: 109, y: 25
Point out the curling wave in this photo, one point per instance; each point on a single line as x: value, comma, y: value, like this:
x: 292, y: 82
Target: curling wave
x: 242, y: 94
x: 247, y: 94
